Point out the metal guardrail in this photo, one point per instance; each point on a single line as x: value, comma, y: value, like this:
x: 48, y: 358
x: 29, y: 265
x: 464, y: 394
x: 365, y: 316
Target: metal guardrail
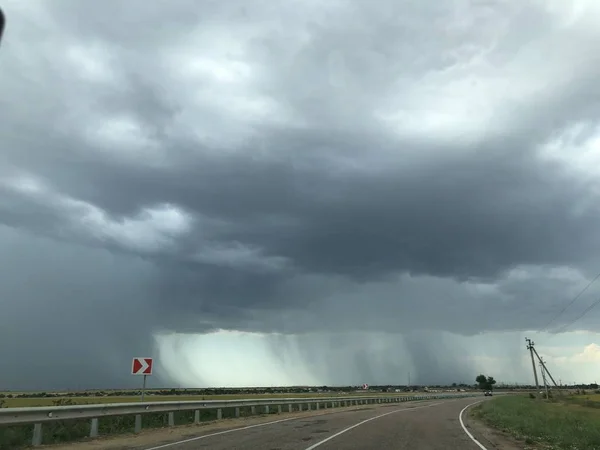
x: 36, y: 416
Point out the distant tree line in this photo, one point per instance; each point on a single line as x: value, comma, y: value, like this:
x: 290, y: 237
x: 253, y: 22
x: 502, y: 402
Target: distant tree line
x: 482, y: 382
x: 208, y: 391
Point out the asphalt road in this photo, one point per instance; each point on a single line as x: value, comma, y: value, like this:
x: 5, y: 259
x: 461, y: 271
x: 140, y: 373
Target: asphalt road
x: 428, y: 425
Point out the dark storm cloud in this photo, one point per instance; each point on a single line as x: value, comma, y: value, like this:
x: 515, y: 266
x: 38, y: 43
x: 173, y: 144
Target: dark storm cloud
x: 72, y: 316
x: 272, y: 191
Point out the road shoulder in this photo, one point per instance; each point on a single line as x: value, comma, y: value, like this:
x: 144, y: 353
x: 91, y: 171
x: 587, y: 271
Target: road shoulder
x: 492, y: 438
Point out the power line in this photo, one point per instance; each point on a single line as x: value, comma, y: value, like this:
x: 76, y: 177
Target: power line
x: 587, y: 310
x: 545, y: 328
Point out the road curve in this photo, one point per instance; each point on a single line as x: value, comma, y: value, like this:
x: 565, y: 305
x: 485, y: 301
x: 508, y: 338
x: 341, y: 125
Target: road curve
x: 431, y: 425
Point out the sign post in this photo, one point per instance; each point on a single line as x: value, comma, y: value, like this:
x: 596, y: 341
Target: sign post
x: 142, y: 366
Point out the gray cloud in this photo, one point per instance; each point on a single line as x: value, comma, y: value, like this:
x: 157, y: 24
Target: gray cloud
x: 192, y: 167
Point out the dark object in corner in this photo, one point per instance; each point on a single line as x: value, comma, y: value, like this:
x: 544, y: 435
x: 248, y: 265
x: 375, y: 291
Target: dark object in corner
x: 2, y: 23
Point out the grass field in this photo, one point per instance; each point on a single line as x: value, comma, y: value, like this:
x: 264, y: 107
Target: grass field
x: 52, y: 401
x: 570, y: 423
x: 590, y: 397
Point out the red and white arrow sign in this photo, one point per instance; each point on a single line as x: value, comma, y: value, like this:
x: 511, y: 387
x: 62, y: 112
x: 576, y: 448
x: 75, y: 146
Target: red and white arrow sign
x: 141, y: 366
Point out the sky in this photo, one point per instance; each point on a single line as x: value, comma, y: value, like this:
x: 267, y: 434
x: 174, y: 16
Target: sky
x: 259, y: 194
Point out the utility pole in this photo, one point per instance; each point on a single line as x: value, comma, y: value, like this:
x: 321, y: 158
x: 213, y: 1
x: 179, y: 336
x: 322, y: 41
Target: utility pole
x: 408, y: 380
x: 530, y: 345
x: 544, y: 378
x: 545, y: 368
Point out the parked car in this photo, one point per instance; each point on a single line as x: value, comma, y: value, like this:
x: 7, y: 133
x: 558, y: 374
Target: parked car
x: 488, y: 393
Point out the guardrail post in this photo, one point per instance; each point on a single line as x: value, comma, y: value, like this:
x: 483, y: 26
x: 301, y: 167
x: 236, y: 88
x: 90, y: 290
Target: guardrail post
x: 278, y: 409
x: 171, y: 419
x: 308, y: 406
x: 267, y: 409
x: 197, y: 416
x: 94, y: 428
x: 138, y: 423
x: 219, y: 414
x: 37, y: 435
x: 253, y: 409
x: 237, y: 412
x: 290, y: 407
x: 317, y: 407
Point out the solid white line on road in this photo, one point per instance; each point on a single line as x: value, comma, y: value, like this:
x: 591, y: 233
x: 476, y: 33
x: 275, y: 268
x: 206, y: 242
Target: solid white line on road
x: 197, y: 438
x: 218, y: 433
x: 318, y: 444
x: 462, y: 424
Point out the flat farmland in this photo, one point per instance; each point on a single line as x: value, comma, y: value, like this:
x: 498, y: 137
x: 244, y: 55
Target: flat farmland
x: 88, y: 400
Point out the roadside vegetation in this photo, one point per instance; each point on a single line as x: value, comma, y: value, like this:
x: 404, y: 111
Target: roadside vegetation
x: 485, y: 383
x: 16, y: 400
x: 41, y: 401
x: 563, y: 422
x: 19, y: 437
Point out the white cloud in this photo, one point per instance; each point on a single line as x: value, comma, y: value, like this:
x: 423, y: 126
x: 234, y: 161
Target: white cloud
x: 576, y: 148
x: 124, y: 138
x: 92, y: 62
x: 238, y: 255
x: 589, y: 355
x: 151, y: 229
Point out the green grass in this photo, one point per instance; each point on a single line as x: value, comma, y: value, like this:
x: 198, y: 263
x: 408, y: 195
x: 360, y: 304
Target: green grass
x: 561, y: 424
x: 19, y: 437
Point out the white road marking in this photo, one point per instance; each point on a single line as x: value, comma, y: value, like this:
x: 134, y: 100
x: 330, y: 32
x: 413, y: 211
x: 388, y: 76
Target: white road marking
x: 185, y: 441
x: 171, y: 444
x: 318, y: 444
x: 197, y: 438
x: 462, y: 424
